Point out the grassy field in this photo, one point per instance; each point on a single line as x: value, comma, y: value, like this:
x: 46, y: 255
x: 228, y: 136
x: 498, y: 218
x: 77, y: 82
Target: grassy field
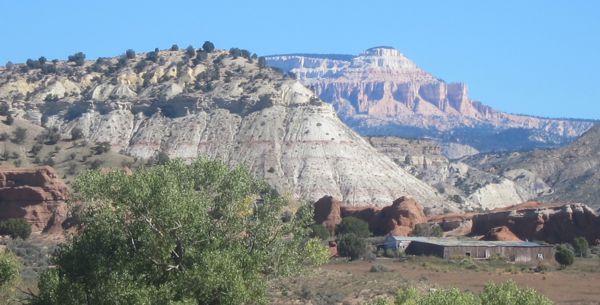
x: 342, y: 282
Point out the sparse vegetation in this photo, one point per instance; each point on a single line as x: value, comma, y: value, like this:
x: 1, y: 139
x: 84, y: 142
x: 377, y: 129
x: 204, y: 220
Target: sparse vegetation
x: 208, y: 47
x: 77, y: 58
x: 15, y: 228
x: 76, y: 133
x: 19, y: 135
x: 581, y: 247
x: 130, y: 54
x: 174, y: 47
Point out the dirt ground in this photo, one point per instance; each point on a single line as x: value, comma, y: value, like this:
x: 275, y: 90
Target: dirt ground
x: 354, y: 283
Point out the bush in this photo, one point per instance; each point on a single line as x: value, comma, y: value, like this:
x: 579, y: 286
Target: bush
x: 35, y: 149
x: 581, y: 247
x: 428, y: 230
x: 78, y: 58
x: 262, y: 62
x: 378, y: 268
x: 509, y: 293
x: 19, y: 135
x: 190, y: 52
x: 130, y: 54
x: 564, y: 256
x: 101, y: 148
x: 353, y: 225
x: 319, y: 231
x: 42, y: 60
x: 174, y: 47
x: 208, y: 47
x: 9, y: 119
x: 152, y: 56
x: 76, y: 133
x: 49, y: 136
x: 9, y: 272
x: 351, y: 246
x: 15, y: 227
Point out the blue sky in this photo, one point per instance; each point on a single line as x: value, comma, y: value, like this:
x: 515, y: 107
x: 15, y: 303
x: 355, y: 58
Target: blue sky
x: 533, y: 57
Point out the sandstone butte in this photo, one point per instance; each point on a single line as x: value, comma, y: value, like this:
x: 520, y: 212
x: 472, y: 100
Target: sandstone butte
x: 533, y: 221
x: 37, y: 195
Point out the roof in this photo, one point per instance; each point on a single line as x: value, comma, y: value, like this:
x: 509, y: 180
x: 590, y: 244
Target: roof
x: 454, y: 242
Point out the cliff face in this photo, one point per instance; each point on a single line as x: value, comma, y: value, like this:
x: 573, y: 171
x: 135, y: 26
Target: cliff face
x: 381, y: 92
x: 36, y: 195
x: 221, y: 106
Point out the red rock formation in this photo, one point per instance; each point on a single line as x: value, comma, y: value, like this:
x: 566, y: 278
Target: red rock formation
x: 399, y: 218
x: 36, y: 194
x: 328, y: 213
x: 500, y: 234
x: 553, y: 224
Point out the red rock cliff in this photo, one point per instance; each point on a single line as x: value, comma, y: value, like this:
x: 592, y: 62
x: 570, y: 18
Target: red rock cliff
x: 36, y: 194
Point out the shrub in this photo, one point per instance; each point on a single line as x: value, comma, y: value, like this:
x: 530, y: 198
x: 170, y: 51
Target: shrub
x: 19, y: 135
x: 190, y: 52
x: 35, y: 149
x: 564, y: 256
x: 509, y: 293
x: 130, y: 54
x: 581, y: 247
x: 15, y: 227
x: 152, y: 56
x: 4, y: 136
x: 9, y: 272
x: 208, y: 47
x: 76, y: 133
x: 319, y: 231
x: 101, y: 148
x: 174, y: 47
x: 428, y: 230
x: 9, y: 65
x: 42, y: 60
x: 9, y: 119
x: 49, y: 136
x: 353, y: 225
x: 351, y: 246
x: 77, y: 58
x: 262, y: 62
x: 378, y: 268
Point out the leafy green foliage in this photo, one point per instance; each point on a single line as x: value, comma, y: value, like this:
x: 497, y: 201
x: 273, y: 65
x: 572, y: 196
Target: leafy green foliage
x: 9, y: 272
x: 507, y: 293
x: 428, y: 230
x: 564, y: 256
x: 78, y: 58
x: 15, y: 227
x: 581, y: 247
x: 130, y: 54
x: 353, y: 225
x: 208, y: 47
x: 19, y: 135
x: 352, y: 246
x: 319, y: 231
x: 198, y: 233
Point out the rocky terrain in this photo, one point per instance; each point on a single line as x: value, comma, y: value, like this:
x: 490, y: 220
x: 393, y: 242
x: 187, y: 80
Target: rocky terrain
x: 572, y: 172
x: 37, y: 195
x: 382, y: 92
x: 467, y: 186
x: 185, y: 104
x: 558, y: 223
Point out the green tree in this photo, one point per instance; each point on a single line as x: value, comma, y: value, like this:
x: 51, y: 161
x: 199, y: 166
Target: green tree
x: 208, y: 47
x: 198, y: 233
x: 509, y: 293
x: 9, y: 273
x: 581, y: 246
x: 130, y: 54
x: 262, y: 62
x: 190, y: 52
x: 428, y: 230
x: 352, y: 246
x: 564, y: 256
x: 353, y: 225
x: 78, y: 58
x: 42, y: 60
x: 174, y: 47
x: 19, y: 135
x: 15, y: 227
x: 319, y: 231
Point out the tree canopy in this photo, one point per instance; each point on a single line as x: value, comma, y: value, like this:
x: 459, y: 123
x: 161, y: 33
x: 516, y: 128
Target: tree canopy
x: 199, y: 233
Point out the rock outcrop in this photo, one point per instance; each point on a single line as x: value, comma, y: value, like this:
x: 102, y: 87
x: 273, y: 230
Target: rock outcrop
x: 553, y: 224
x: 382, y: 92
x: 37, y: 195
x: 500, y: 234
x: 221, y: 106
x: 399, y: 218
